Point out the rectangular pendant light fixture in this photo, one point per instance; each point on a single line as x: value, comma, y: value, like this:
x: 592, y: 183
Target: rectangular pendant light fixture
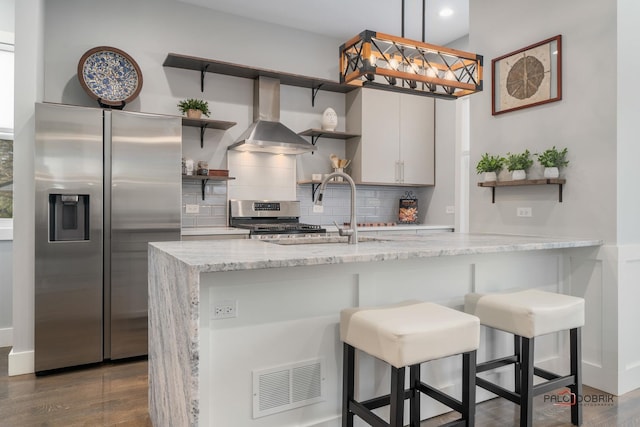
x: 383, y: 61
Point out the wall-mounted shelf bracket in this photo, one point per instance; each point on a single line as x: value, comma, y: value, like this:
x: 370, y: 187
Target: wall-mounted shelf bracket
x: 203, y: 185
x: 314, y: 189
x: 546, y: 181
x: 202, y: 128
x: 314, y: 92
x: 202, y: 71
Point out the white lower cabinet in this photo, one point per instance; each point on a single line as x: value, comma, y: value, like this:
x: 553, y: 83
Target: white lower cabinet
x: 397, y: 142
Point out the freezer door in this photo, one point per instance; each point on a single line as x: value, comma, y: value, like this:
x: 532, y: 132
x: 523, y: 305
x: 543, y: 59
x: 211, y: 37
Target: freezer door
x: 146, y: 153
x: 68, y: 236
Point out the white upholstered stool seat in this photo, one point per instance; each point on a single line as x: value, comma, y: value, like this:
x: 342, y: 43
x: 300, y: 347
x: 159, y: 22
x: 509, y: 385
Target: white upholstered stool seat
x: 403, y: 335
x: 406, y: 335
x: 529, y: 313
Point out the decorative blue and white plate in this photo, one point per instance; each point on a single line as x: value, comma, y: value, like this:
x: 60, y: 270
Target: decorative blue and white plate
x: 110, y: 76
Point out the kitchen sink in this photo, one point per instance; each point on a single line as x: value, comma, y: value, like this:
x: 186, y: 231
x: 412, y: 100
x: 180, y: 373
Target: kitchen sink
x: 319, y: 240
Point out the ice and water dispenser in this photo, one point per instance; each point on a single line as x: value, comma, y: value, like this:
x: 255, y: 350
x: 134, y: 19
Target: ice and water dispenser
x: 68, y: 217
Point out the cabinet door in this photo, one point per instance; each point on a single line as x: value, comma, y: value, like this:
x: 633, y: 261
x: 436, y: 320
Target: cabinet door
x: 380, y: 136
x: 417, y: 149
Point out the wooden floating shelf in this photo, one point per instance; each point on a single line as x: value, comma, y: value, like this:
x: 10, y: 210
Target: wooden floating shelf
x: 319, y: 133
x: 544, y: 181
x: 206, y: 124
x: 335, y: 134
x: 204, y: 179
x: 227, y: 68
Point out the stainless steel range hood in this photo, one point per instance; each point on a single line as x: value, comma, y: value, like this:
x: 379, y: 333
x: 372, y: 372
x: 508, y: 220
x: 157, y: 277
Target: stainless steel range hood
x: 267, y: 134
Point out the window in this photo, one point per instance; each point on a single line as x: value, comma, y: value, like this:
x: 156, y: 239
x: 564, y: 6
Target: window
x: 6, y: 177
x: 6, y: 134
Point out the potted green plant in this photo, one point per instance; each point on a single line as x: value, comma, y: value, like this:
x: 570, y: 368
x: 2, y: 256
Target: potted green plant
x: 490, y: 166
x: 552, y: 159
x: 518, y: 164
x: 194, y: 108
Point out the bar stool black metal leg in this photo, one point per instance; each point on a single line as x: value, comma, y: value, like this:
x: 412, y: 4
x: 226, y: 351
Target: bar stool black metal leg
x: 414, y: 402
x: 526, y: 384
x: 396, y: 413
x: 575, y: 345
x: 469, y: 388
x: 517, y: 351
x: 348, y: 378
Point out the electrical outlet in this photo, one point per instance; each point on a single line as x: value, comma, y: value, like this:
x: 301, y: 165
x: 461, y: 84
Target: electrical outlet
x: 225, y: 309
x: 318, y: 208
x: 193, y: 209
x: 450, y: 209
x: 523, y: 212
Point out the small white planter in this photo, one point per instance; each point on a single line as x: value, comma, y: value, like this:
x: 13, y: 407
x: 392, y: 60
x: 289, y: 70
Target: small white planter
x: 490, y: 176
x: 551, y: 172
x: 518, y: 175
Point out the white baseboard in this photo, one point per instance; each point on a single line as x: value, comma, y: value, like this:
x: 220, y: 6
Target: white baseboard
x: 21, y: 363
x: 6, y: 337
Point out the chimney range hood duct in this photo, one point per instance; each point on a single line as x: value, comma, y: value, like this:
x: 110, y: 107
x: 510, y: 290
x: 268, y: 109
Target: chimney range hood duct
x: 267, y: 134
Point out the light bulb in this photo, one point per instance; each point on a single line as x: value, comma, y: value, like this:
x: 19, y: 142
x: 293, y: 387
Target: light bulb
x: 449, y: 76
x: 372, y: 60
x: 393, y: 63
x: 431, y: 73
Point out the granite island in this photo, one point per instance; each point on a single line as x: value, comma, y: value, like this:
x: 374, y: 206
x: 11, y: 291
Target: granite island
x: 245, y: 332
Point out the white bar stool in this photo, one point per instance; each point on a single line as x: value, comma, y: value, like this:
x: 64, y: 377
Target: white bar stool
x: 529, y: 314
x: 406, y: 335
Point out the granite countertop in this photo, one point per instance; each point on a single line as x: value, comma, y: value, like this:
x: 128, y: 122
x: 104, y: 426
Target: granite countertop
x: 247, y: 254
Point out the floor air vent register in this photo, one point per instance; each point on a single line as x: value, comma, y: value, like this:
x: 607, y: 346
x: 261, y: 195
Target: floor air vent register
x: 287, y: 387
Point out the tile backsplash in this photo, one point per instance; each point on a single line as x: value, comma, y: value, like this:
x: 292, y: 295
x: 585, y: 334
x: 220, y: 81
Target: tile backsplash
x: 373, y: 203
x: 212, y: 210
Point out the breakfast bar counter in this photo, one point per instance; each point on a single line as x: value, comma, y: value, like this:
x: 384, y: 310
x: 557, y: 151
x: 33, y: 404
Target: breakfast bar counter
x: 227, y: 318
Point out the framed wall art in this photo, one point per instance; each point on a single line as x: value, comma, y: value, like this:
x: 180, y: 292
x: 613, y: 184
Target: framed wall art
x: 527, y: 77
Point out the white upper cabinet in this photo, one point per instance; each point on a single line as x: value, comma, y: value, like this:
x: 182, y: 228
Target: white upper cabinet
x: 396, y: 145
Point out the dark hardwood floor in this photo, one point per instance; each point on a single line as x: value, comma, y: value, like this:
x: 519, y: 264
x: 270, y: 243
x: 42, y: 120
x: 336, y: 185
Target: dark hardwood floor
x: 116, y: 395
x: 107, y: 395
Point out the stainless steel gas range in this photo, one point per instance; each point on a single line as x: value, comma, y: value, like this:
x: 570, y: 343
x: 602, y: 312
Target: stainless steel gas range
x: 271, y: 219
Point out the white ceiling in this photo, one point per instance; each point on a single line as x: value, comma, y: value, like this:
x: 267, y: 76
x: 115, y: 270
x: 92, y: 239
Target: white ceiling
x: 344, y: 19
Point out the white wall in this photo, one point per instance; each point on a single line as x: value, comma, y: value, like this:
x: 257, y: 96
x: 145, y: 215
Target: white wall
x: 7, y: 28
x: 6, y: 259
x: 584, y: 120
x: 29, y: 89
x: 628, y: 176
x: 596, y: 121
x: 628, y: 112
x: 7, y: 13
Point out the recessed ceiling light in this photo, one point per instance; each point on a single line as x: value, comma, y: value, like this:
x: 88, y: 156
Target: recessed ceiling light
x: 446, y: 12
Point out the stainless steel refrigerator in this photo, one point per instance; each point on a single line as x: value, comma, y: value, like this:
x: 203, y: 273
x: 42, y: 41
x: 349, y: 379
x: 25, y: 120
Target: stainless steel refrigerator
x: 107, y: 183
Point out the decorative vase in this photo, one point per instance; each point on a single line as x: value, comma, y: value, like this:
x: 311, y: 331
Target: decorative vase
x: 490, y: 176
x: 518, y: 175
x: 194, y: 114
x: 329, y: 119
x: 551, y: 172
